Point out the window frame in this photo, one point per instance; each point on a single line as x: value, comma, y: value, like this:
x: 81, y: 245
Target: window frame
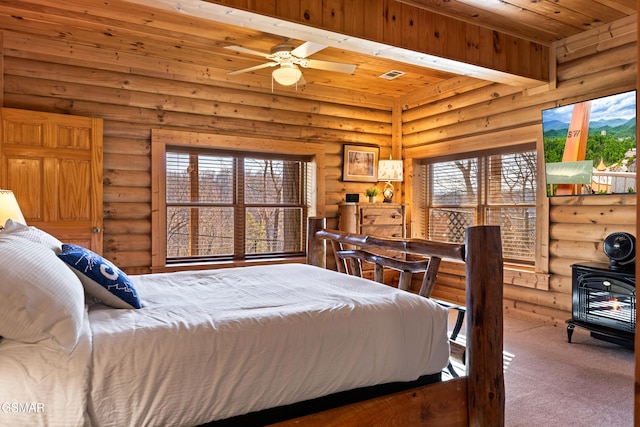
x: 481, y: 203
x: 238, y: 202
x: 162, y: 139
x: 535, y: 277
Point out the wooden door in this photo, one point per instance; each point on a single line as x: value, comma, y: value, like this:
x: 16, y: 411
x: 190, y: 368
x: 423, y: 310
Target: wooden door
x: 53, y: 164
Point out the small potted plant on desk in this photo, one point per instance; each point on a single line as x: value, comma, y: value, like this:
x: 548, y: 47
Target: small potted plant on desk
x: 372, y: 193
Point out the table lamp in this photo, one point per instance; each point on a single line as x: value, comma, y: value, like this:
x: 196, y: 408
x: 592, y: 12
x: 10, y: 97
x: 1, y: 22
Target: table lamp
x: 9, y: 208
x: 390, y: 171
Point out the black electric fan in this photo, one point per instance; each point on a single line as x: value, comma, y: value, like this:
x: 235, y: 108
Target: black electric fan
x: 620, y: 247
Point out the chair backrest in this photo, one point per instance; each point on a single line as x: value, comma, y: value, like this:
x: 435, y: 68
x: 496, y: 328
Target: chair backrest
x: 355, y: 257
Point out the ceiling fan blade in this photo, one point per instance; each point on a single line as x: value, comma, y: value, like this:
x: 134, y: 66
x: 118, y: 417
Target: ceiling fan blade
x: 245, y: 50
x: 256, y: 67
x: 301, y: 81
x: 329, y: 66
x: 307, y: 49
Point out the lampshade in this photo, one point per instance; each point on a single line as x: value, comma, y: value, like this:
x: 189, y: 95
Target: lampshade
x: 9, y: 208
x: 287, y: 74
x: 390, y: 170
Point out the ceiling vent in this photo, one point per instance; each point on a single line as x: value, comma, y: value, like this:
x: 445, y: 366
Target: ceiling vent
x: 390, y: 75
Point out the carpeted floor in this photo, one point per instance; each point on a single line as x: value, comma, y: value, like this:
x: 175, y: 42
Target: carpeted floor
x: 550, y: 382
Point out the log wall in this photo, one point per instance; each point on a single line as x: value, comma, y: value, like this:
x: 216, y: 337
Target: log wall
x: 135, y: 82
x: 468, y: 115
x: 127, y: 88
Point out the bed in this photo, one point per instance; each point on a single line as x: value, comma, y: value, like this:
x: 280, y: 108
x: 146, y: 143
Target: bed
x: 233, y: 346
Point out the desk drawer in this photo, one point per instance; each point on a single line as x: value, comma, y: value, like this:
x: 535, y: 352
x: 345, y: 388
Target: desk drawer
x: 388, y: 230
x: 380, y: 216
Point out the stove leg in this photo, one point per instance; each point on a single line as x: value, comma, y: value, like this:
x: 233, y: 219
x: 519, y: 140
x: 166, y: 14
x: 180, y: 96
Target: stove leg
x: 570, y: 328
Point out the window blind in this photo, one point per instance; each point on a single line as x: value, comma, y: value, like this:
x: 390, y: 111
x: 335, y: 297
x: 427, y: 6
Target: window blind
x: 234, y: 206
x: 494, y: 190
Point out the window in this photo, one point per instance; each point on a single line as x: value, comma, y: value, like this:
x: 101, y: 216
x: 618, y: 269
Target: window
x: 234, y: 205
x: 226, y: 200
x: 496, y: 189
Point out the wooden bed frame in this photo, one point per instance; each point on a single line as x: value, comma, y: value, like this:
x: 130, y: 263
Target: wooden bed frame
x: 476, y: 399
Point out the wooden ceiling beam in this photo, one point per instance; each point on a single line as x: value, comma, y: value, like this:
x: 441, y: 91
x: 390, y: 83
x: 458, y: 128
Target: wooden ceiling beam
x: 403, y: 25
x: 388, y: 29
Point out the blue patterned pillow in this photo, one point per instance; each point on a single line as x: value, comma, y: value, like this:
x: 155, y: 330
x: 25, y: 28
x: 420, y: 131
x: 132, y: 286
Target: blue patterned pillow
x: 100, y: 277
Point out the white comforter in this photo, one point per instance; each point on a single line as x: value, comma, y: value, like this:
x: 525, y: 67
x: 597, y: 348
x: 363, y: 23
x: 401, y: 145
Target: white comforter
x: 42, y: 386
x: 214, y: 344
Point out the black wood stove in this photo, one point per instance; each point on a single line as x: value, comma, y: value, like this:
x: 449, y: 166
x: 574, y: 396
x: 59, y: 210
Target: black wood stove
x: 604, y: 302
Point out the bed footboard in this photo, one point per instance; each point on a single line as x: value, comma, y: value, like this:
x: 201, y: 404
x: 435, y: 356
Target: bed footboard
x: 478, y: 398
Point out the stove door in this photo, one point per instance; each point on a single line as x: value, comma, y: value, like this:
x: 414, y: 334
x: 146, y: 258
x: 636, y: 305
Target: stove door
x: 604, y: 299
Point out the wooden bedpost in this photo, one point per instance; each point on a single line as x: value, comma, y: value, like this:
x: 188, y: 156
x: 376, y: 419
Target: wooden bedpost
x: 316, y: 248
x: 485, y: 391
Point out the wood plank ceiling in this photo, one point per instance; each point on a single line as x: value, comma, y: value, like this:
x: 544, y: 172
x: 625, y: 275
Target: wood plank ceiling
x: 541, y: 21
x: 184, y: 31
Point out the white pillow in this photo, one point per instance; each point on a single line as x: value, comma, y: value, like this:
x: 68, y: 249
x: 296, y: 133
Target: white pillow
x: 34, y: 234
x: 41, y: 299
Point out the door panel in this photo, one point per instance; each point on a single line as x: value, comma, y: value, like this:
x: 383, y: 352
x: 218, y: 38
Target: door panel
x: 53, y: 164
x: 25, y: 176
x: 73, y: 203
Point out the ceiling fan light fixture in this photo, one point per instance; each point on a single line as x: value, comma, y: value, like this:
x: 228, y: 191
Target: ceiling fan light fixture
x: 287, y: 74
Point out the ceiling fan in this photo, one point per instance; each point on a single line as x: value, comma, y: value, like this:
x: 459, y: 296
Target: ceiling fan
x: 290, y: 58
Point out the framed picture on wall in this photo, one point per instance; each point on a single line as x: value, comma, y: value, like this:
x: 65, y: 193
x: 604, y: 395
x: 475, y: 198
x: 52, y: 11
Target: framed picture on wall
x: 360, y: 163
